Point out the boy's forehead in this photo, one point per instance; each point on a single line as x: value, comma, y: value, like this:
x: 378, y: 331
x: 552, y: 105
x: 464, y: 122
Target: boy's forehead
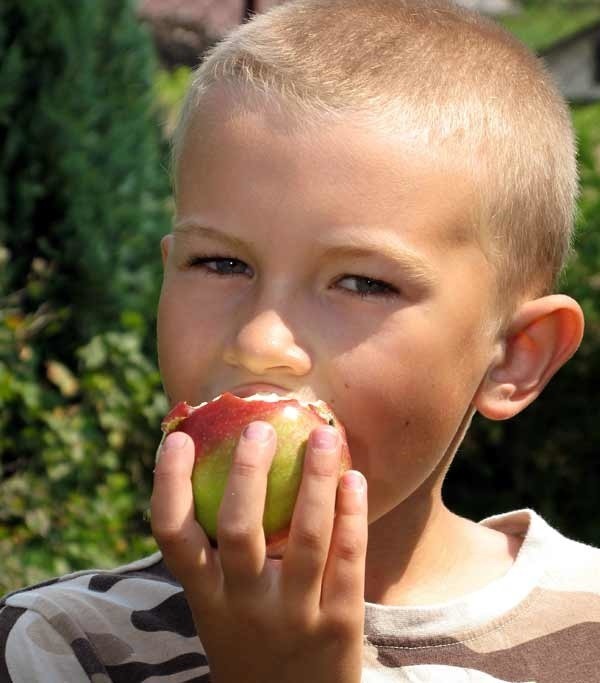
x: 349, y: 157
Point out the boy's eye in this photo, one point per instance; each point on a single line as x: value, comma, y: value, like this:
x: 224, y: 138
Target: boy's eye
x: 220, y: 265
x: 366, y: 286
x: 361, y: 286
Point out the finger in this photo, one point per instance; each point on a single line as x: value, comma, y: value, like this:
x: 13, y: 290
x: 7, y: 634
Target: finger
x: 240, y: 534
x: 184, y: 544
x: 344, y: 577
x: 312, y: 522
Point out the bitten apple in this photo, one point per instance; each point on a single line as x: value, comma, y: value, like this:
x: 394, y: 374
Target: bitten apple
x: 216, y: 426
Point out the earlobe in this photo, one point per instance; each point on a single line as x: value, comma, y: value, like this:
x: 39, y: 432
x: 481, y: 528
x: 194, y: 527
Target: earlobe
x: 543, y: 335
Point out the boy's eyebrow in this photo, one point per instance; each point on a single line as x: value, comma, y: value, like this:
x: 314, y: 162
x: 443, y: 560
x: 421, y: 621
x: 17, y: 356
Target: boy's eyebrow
x: 191, y: 226
x: 364, y: 244
x: 354, y: 245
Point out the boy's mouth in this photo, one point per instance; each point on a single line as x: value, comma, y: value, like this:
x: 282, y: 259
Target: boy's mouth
x: 245, y: 390
x: 273, y: 392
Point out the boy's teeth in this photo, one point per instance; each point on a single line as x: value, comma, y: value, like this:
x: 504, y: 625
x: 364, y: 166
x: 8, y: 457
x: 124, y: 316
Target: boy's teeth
x: 266, y: 396
x: 272, y: 397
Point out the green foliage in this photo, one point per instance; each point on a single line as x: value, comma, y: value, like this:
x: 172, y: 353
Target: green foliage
x: 83, y: 204
x: 78, y: 452
x: 81, y: 183
x: 169, y: 91
x: 542, y: 23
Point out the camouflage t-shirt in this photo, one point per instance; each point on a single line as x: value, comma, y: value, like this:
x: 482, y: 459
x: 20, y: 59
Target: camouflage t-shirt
x: 539, y: 622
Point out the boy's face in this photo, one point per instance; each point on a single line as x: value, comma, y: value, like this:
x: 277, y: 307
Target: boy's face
x: 303, y: 222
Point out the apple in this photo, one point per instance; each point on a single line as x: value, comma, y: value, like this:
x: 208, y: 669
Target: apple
x: 216, y: 426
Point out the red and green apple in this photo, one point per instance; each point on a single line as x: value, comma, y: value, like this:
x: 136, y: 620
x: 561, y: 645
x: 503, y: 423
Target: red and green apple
x: 216, y: 427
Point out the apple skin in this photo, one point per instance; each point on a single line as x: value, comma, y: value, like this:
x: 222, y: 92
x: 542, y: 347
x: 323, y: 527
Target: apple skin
x: 216, y: 427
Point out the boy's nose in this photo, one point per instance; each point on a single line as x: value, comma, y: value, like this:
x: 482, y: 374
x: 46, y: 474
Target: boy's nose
x: 266, y: 343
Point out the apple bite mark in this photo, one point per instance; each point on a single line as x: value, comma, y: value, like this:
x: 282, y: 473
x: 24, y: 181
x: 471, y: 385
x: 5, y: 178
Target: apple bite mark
x: 216, y: 427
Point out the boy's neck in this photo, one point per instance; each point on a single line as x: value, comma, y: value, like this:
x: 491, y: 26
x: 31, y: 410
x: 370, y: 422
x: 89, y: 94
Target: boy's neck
x: 427, y: 555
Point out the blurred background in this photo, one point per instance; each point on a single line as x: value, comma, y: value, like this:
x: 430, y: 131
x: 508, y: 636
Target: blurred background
x: 89, y: 93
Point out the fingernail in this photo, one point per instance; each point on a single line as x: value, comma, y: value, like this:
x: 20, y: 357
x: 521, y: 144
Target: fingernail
x: 325, y: 439
x: 258, y: 431
x: 176, y: 440
x: 355, y: 481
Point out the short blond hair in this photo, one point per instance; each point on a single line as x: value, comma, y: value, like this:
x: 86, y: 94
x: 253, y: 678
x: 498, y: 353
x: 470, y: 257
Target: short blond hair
x: 448, y: 77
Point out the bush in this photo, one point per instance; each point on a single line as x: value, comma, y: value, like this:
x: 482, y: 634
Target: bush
x: 77, y: 451
x: 82, y: 188
x: 83, y: 203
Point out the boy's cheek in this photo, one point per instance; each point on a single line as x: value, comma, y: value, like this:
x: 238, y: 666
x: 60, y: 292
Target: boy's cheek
x: 173, y: 330
x: 400, y: 422
x: 189, y: 344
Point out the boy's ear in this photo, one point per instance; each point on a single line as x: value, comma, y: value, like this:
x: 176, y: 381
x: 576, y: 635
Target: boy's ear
x: 542, y: 336
x: 165, y: 246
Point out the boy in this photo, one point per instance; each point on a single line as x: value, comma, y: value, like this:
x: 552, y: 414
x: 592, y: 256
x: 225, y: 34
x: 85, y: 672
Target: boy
x: 374, y: 199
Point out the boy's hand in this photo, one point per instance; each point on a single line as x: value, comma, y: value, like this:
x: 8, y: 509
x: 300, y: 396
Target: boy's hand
x: 261, y: 620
